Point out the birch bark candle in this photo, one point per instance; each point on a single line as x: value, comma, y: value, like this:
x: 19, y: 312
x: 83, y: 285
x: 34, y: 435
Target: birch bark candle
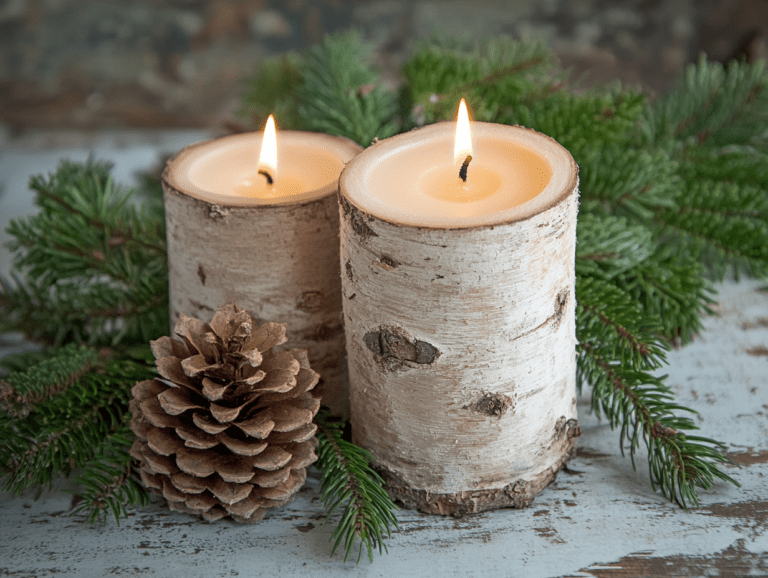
x: 459, y: 313
x: 263, y: 234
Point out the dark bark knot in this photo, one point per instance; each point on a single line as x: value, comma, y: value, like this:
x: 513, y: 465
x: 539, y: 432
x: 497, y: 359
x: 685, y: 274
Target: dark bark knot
x: 388, y: 263
x: 566, y: 428
x: 561, y: 305
x: 393, y: 347
x: 357, y: 221
x: 492, y: 404
x: 311, y: 301
x: 217, y: 212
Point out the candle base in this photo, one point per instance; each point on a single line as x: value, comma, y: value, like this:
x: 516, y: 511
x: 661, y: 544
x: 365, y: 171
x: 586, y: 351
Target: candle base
x: 518, y: 494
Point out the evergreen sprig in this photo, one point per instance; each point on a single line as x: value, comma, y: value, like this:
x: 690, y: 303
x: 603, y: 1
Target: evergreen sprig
x: 349, y: 481
x: 69, y: 427
x: 109, y: 482
x: 332, y: 89
x: 23, y: 390
x: 93, y: 264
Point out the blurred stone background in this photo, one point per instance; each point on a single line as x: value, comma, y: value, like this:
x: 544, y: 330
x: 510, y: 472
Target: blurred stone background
x: 97, y: 64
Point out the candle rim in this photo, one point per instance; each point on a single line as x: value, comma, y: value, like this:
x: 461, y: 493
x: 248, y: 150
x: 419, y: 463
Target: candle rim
x: 353, y: 176
x: 345, y: 148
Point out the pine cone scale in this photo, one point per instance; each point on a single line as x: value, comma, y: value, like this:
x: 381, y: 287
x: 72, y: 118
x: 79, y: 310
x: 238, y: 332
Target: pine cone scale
x: 162, y: 443
x: 230, y: 493
x: 176, y: 401
x: 223, y: 414
x: 266, y: 337
x: 188, y: 484
x: 259, y: 427
x: 273, y: 458
x: 195, y: 438
x: 170, y: 368
x: 207, y: 425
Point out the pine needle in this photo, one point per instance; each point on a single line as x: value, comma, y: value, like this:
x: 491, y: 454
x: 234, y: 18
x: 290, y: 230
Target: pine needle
x: 350, y: 483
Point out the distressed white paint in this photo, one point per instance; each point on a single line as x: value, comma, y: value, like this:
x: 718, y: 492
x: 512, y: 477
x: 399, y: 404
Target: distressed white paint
x: 592, y: 516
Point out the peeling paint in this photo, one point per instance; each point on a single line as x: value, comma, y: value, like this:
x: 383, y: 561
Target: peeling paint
x: 733, y: 561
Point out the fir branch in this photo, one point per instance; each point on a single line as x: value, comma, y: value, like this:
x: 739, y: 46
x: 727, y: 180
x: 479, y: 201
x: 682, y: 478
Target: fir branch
x: 494, y: 77
x: 584, y: 122
x: 614, y: 323
x: 349, y: 480
x: 714, y: 105
x: 672, y: 290
x: 65, y: 430
x: 272, y: 90
x: 608, y: 245
x: 722, y: 225
x: 618, y: 347
x: 642, y: 406
x: 109, y: 483
x: 341, y: 95
x: 94, y: 265
x: 630, y: 182
x: 22, y: 390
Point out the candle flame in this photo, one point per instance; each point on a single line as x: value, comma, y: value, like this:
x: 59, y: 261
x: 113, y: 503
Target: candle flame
x: 463, y: 144
x: 268, y: 155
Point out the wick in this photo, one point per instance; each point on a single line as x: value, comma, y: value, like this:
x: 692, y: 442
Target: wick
x: 270, y: 180
x: 464, y: 167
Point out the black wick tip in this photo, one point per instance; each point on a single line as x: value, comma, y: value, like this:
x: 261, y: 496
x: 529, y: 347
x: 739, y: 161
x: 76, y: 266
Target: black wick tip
x: 267, y: 176
x: 464, y: 167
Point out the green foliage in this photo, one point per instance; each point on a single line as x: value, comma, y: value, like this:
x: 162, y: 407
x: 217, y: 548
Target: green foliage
x: 714, y: 106
x: 67, y: 429
x: 721, y: 224
x: 52, y: 374
x: 609, y: 245
x: 627, y: 182
x: 672, y: 290
x: 94, y: 264
x: 341, y: 95
x: 272, y: 90
x: 331, y: 89
x: 109, y: 483
x: 581, y: 122
x: 715, y: 125
x: 349, y: 481
x: 492, y: 77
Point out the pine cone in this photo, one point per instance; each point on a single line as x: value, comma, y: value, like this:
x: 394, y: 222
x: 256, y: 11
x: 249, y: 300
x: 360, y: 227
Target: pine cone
x: 227, y: 430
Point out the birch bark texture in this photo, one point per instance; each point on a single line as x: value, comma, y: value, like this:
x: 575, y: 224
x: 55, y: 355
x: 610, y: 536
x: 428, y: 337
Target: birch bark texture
x: 461, y: 343
x: 280, y: 262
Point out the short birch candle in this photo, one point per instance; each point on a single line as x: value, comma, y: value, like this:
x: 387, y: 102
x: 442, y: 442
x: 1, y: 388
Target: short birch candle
x: 263, y: 233
x: 458, y: 291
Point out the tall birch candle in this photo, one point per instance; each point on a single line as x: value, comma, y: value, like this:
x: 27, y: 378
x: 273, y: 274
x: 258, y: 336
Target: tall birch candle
x: 261, y: 230
x: 458, y: 291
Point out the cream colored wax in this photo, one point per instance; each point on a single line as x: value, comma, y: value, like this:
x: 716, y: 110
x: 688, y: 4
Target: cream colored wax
x: 225, y: 170
x: 414, y: 178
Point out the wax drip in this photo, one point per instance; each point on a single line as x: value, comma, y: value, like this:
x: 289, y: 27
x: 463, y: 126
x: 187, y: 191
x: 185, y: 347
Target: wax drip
x: 464, y: 167
x: 270, y: 180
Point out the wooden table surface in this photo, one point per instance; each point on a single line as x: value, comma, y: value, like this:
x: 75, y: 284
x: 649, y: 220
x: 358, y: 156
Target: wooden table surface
x: 600, y: 518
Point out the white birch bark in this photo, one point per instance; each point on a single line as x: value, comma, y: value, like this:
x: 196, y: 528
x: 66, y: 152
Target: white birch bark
x: 461, y: 352
x: 279, y: 262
